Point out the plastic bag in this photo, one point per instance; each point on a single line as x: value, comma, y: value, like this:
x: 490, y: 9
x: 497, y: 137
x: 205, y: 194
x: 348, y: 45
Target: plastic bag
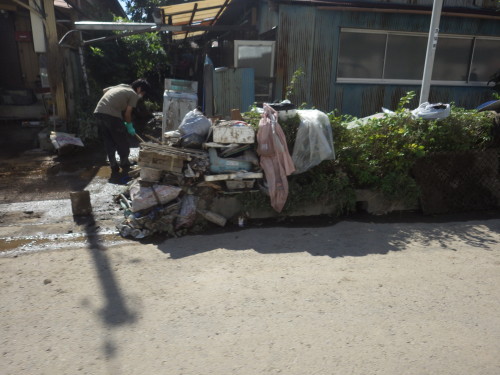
x: 268, y: 142
x: 60, y: 140
x: 187, y: 213
x: 314, y: 140
x: 431, y: 111
x: 192, y: 140
x: 195, y: 122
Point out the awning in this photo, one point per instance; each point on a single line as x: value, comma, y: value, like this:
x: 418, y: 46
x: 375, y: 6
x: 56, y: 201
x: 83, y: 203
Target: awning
x: 196, y: 13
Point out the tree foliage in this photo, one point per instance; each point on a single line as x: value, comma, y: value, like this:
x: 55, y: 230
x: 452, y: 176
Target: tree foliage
x: 125, y: 59
x: 142, y: 10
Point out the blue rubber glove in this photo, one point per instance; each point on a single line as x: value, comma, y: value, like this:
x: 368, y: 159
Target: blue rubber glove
x: 130, y: 128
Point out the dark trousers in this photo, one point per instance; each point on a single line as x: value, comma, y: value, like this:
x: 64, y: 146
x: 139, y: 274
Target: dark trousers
x: 113, y: 133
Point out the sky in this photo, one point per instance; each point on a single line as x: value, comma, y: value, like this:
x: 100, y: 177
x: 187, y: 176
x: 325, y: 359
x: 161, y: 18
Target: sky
x: 122, y: 3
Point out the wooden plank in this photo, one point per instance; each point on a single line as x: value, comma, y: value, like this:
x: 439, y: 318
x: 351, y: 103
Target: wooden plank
x: 169, y: 150
x: 234, y: 176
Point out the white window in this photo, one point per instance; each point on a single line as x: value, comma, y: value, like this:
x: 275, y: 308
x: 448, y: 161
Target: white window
x: 259, y: 55
x: 370, y: 56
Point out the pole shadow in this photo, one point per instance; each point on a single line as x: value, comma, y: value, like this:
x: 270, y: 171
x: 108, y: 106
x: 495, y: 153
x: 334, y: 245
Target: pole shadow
x: 115, y: 312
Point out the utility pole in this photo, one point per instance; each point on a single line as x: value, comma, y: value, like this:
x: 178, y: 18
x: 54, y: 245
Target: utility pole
x: 431, y: 50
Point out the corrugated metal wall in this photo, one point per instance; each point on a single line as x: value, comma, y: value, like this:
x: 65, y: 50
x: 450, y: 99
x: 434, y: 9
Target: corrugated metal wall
x: 268, y: 16
x: 233, y: 88
x: 446, y: 3
x: 295, y: 50
x: 308, y: 39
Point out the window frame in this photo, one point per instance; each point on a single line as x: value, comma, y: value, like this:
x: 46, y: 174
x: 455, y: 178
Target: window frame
x: 411, y: 81
x: 259, y: 80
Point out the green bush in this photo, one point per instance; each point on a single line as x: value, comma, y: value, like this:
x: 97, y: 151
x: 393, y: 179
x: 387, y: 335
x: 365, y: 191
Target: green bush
x: 379, y: 153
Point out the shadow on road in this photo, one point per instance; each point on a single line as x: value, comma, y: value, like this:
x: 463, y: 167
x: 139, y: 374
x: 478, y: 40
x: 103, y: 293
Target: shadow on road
x: 115, y: 312
x: 345, y: 238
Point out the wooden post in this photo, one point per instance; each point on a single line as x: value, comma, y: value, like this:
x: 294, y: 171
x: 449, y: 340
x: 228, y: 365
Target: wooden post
x: 55, y: 61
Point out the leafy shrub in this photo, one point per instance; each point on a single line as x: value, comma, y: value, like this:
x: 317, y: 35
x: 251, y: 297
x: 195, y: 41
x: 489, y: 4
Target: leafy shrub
x: 326, y: 183
x: 378, y: 154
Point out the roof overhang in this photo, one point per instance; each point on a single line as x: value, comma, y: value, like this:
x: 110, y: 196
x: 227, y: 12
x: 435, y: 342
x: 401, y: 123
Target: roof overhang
x: 195, y: 13
x: 187, y: 20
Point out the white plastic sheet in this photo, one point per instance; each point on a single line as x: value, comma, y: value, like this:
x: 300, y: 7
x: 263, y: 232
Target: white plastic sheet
x: 146, y: 197
x: 431, y: 111
x: 60, y: 140
x: 314, y: 140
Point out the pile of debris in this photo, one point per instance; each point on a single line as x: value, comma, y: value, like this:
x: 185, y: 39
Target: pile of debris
x: 179, y: 177
x: 176, y: 180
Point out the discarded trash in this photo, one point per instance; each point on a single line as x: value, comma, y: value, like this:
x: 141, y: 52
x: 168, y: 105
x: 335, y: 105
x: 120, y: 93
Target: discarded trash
x: 431, y: 111
x: 314, y: 140
x: 275, y: 159
x: 80, y: 203
x: 173, y: 179
x: 128, y: 231
x: 241, y: 221
x: 187, y: 214
x: 192, y: 140
x: 234, y: 176
x: 195, y: 122
x: 233, y: 132
x: 150, y: 174
x: 242, y: 184
x: 221, y: 165
x: 213, y: 217
x: 124, y: 230
x: 137, y: 233
x: 146, y: 197
x: 168, y: 158
x: 285, y: 109
x: 63, y: 141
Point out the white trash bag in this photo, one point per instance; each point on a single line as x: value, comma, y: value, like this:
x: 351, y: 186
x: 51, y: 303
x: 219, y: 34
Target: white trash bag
x: 195, y: 122
x: 431, y: 111
x: 145, y: 197
x: 314, y: 140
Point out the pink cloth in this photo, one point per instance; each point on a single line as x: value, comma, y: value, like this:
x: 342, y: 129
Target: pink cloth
x: 275, y: 159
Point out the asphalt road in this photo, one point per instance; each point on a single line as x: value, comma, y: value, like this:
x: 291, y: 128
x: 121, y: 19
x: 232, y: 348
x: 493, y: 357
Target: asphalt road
x: 398, y: 294
x: 349, y: 298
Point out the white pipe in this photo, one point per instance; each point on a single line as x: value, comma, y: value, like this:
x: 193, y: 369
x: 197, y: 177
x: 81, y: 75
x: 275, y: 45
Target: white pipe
x: 431, y: 50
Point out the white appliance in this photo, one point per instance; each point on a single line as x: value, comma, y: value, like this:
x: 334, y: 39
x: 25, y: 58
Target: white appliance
x: 179, y: 98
